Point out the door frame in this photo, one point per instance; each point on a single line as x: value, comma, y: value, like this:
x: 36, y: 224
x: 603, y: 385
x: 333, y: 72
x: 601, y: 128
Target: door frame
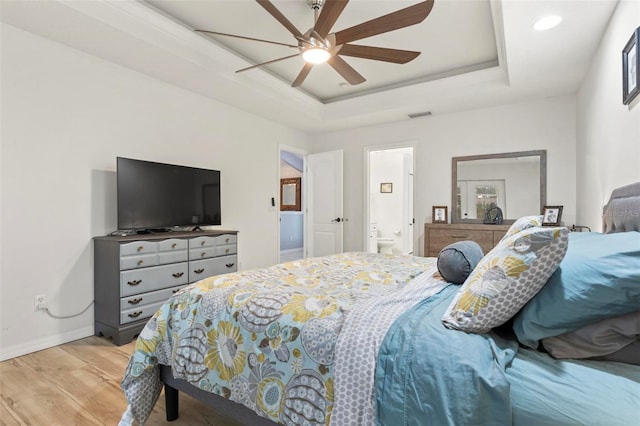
x: 367, y: 184
x: 303, y: 199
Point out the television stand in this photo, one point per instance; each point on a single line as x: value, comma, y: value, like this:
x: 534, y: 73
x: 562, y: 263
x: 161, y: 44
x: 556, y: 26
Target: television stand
x: 135, y: 274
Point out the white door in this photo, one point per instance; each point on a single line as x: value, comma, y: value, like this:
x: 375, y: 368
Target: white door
x: 407, y: 214
x: 324, y: 203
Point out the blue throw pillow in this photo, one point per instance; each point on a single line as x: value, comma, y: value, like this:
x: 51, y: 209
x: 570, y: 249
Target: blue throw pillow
x: 457, y: 260
x: 598, y: 278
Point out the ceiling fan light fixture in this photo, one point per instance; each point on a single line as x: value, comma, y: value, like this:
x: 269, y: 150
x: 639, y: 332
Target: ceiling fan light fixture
x: 547, y: 23
x: 316, y: 55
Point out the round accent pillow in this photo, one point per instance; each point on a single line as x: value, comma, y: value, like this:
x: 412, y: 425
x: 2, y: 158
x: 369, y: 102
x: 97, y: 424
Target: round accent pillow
x: 457, y: 260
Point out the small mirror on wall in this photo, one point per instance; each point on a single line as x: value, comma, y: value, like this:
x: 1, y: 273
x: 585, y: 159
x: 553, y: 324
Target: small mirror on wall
x: 290, y: 194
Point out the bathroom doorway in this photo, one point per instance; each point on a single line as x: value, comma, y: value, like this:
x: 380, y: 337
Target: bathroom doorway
x: 390, y: 219
x: 291, y: 206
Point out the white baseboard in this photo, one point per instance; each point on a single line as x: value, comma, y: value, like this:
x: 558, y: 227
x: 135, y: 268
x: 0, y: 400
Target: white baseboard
x: 45, y: 343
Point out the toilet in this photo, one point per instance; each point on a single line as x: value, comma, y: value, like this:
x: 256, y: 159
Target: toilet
x: 385, y: 244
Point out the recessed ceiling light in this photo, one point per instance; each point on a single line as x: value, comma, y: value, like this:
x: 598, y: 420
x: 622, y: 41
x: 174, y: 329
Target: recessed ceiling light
x: 547, y: 23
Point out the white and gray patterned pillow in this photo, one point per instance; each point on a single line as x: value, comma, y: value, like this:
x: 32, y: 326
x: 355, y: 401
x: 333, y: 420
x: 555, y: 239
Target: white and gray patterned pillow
x: 506, y: 279
x: 525, y: 222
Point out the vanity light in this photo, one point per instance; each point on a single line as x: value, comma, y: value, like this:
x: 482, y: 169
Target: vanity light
x: 547, y: 23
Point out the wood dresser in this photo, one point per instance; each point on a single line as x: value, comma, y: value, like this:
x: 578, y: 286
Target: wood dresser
x: 439, y: 235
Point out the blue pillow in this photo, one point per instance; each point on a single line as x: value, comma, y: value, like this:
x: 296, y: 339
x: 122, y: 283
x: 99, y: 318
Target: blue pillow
x: 598, y: 278
x: 457, y: 260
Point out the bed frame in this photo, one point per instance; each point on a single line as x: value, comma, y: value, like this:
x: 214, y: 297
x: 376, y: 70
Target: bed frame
x: 232, y: 410
x: 620, y: 214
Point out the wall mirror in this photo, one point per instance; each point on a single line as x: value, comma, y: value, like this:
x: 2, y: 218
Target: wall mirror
x: 514, y: 181
x: 290, y: 194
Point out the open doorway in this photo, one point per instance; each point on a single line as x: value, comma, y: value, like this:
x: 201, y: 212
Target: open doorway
x: 291, y: 205
x: 390, y: 201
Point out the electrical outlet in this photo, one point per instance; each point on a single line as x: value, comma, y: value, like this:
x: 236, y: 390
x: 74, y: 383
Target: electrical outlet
x: 40, y: 302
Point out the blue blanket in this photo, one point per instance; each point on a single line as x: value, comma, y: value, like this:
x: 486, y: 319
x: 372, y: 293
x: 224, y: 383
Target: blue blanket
x: 430, y: 375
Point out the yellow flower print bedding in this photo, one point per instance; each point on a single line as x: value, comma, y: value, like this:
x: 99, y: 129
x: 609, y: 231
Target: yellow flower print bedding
x: 263, y: 338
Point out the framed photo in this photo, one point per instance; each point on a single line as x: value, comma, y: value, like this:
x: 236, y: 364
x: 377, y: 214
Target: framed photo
x: 439, y: 214
x: 631, y: 68
x: 551, y: 215
x: 386, y: 187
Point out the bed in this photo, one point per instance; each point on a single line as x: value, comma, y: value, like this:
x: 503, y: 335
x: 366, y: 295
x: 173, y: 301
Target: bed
x: 360, y: 338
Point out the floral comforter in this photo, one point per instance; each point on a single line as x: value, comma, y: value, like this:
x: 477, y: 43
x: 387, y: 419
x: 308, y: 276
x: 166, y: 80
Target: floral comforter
x: 263, y: 338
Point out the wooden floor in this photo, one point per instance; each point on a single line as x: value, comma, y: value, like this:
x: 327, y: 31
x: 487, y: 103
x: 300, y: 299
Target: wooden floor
x: 78, y: 383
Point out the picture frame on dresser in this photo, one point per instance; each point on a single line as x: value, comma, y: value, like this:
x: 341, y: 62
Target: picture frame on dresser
x: 551, y: 215
x: 439, y: 214
x: 631, y: 68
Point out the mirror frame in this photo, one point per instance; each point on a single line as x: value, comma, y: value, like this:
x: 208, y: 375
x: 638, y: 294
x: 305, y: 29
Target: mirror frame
x: 454, y: 179
x: 290, y: 207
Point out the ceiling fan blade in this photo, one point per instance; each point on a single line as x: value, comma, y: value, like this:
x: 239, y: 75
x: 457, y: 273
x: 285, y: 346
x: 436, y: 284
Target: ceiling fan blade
x: 329, y: 14
x: 303, y: 74
x: 345, y: 70
x: 273, y: 11
x: 395, y: 20
x: 396, y: 56
x: 246, y: 38
x: 268, y: 62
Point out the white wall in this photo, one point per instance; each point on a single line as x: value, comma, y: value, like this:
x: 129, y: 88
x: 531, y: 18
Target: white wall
x: 608, y: 136
x: 65, y: 117
x: 543, y: 124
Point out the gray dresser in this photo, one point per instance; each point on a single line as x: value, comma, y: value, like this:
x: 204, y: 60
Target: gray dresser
x: 135, y: 275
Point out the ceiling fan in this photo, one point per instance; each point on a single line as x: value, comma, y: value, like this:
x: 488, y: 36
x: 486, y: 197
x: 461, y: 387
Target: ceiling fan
x: 317, y: 45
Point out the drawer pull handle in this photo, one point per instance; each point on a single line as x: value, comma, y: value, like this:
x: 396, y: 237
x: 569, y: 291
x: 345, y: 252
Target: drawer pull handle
x: 134, y: 282
x: 458, y: 236
x: 202, y: 243
x: 227, y: 240
x: 176, y: 290
x: 135, y: 314
x: 140, y: 262
x: 199, y: 271
x: 173, y: 245
x: 229, y: 265
x: 203, y: 254
x: 140, y: 248
x: 227, y: 251
x: 178, y: 274
x: 135, y: 301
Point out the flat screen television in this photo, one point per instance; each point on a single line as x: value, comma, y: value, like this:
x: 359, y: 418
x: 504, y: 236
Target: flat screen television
x: 157, y: 196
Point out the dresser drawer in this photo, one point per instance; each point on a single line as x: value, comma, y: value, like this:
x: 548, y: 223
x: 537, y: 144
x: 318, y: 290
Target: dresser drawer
x: 440, y: 238
x: 172, y: 244
x: 138, y: 247
x: 437, y: 236
x: 140, y: 300
x: 226, y: 250
x: 139, y: 313
x: 201, y: 269
x: 139, y: 261
x: 226, y: 239
x: 148, y: 279
x: 172, y: 257
x: 202, y: 242
x: 202, y: 253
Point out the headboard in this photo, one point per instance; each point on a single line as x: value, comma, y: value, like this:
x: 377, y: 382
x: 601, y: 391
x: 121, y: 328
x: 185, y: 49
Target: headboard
x: 622, y: 212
